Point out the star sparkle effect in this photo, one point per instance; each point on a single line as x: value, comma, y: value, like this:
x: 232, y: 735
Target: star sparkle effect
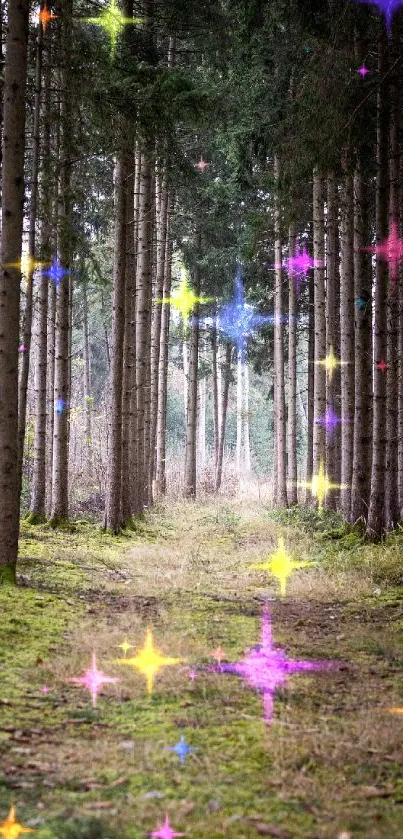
x: 321, y: 485
x: 165, y: 831
x: 298, y: 265
x: 184, y: 299
x: 60, y: 406
x: 27, y: 265
x: 238, y: 319
x: 266, y: 668
x: 94, y: 679
x: 192, y: 675
x: 112, y: 20
x: 382, y: 366
x: 281, y: 565
x: 125, y: 647
x: 361, y: 303
x: 395, y: 710
x: 386, y: 7
x: 330, y: 420
x: 363, y: 71
x: 389, y: 249
x: 45, y: 17
x: 11, y: 829
x: 202, y: 165
x: 21, y: 348
x: 181, y: 749
x: 219, y: 654
x: 330, y: 363
x: 149, y: 661
x: 56, y: 272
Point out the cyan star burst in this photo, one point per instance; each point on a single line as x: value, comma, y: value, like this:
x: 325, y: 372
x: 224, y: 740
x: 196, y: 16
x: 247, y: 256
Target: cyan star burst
x: 386, y: 7
x: 266, y: 668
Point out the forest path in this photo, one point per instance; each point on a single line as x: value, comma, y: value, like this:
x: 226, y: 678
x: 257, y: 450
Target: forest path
x: 330, y: 761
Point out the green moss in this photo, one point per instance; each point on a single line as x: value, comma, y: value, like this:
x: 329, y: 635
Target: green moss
x: 7, y: 575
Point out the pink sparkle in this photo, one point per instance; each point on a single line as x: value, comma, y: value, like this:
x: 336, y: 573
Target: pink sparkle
x: 93, y: 679
x: 390, y: 250
x: 21, y: 348
x: 201, y: 165
x: 218, y: 654
x: 382, y: 366
x: 266, y: 668
x: 45, y: 689
x: 192, y: 675
x: 165, y: 831
x: 363, y: 71
x: 299, y: 264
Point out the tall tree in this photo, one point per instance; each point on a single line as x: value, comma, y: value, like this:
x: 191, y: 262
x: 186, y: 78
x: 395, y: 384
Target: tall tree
x: 292, y: 377
x: 15, y: 74
x: 279, y: 389
x: 347, y: 332
x: 191, y: 424
x: 319, y: 407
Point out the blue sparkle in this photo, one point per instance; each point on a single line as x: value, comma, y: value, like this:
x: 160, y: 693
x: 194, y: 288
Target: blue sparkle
x: 181, y: 749
x: 55, y: 272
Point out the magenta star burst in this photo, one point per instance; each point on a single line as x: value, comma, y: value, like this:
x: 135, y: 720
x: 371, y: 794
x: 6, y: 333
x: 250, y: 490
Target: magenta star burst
x: 363, y: 71
x: 93, y: 679
x: 266, y: 668
x: 390, y: 249
x: 165, y: 831
x: 300, y: 263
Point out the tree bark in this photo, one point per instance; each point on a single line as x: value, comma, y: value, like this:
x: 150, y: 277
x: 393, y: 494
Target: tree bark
x: 319, y: 429
x: 292, y: 377
x: 310, y: 388
x: 161, y: 234
x: 163, y: 367
x: 279, y: 388
x: 347, y: 333
x: 332, y: 333
x: 376, y: 517
x: 191, y: 424
x: 10, y: 278
x: 60, y: 472
x: 127, y: 478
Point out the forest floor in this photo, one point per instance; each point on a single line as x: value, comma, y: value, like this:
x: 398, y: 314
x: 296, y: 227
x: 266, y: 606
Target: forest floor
x: 330, y: 762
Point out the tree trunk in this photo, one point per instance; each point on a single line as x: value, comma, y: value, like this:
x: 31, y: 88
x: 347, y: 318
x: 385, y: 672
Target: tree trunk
x: 292, y: 377
x: 191, y: 424
x: 311, y: 388
x: 131, y: 266
x: 143, y: 319
x: 347, y: 333
x: 376, y: 518
x: 279, y: 389
x: 161, y: 234
x: 60, y: 493
x: 10, y: 279
x: 362, y: 446
x: 332, y: 333
x: 87, y: 381
x: 163, y: 367
x: 227, y: 380
x: 216, y: 407
x: 248, y: 466
x: 27, y: 330
x: 319, y: 428
x: 239, y: 414
x: 112, y: 519
x: 127, y: 478
x: 38, y: 497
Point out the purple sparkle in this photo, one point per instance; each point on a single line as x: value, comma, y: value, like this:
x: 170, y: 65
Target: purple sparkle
x: 165, y: 831
x: 56, y: 272
x: 298, y: 265
x: 266, y: 668
x: 330, y: 420
x: 386, y: 7
x: 363, y: 70
x: 93, y: 679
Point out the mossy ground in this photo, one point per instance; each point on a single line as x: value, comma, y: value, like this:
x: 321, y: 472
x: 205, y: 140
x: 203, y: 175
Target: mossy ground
x: 329, y: 762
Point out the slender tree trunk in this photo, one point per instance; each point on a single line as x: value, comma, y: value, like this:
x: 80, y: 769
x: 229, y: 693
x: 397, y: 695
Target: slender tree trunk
x: 127, y: 478
x: 248, y: 466
x: 311, y: 387
x: 60, y: 493
x: 50, y: 386
x: 363, y: 354
x: 215, y: 392
x: 161, y: 233
x: 392, y: 509
x: 332, y: 328
x: 10, y: 278
x: 319, y: 429
x: 292, y: 377
x: 27, y: 330
x: 400, y: 374
x: 227, y: 380
x: 191, y: 425
x: 87, y: 380
x: 38, y: 497
x: 163, y: 368
x: 279, y: 389
x: 112, y: 519
x: 239, y: 414
x: 376, y: 517
x: 347, y: 334
x: 143, y: 319
x: 131, y: 266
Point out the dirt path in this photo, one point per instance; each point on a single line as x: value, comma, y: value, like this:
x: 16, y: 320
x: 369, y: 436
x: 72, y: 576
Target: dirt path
x: 328, y: 763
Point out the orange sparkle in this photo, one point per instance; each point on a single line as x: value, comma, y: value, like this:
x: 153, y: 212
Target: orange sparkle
x: 11, y: 829
x: 45, y: 17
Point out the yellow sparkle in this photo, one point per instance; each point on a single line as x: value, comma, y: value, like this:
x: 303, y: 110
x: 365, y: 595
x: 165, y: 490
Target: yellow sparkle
x: 113, y: 21
x: 281, y: 565
x: 330, y: 363
x: 184, y: 299
x: 11, y: 829
x: 395, y: 710
x: 321, y: 485
x: 27, y: 265
x: 125, y: 646
x: 149, y: 661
